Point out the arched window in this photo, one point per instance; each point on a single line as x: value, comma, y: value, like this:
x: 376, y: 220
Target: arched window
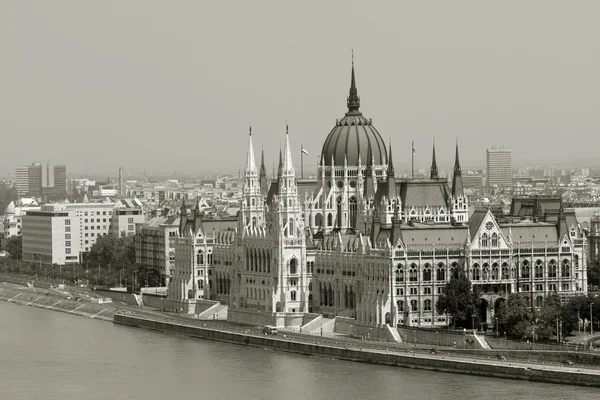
x: 353, y: 209
x: 200, y: 257
x: 505, y: 271
x: 565, y: 270
x: 291, y: 227
x: 427, y: 305
x: 318, y: 220
x: 400, y: 274
x: 412, y: 273
x: 476, y: 272
x: 539, y: 301
x: 552, y: 269
x: 293, y: 295
x: 539, y: 269
x: 454, y: 270
x: 400, y: 306
x: 486, y: 271
x: 427, y: 273
x: 253, y: 220
x: 293, y: 265
x: 440, y: 273
x: 525, y: 270
x: 329, y: 219
x: 484, y: 240
x: 495, y: 271
x: 414, y: 305
x: 494, y: 239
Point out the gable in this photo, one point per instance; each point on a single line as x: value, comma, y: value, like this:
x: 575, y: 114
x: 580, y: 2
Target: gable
x: 488, y: 234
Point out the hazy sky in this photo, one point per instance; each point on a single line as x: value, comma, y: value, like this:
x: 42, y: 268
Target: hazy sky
x: 165, y: 85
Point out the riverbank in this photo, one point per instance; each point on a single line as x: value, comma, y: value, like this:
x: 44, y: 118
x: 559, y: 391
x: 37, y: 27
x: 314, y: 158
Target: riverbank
x: 352, y: 352
x: 54, y: 300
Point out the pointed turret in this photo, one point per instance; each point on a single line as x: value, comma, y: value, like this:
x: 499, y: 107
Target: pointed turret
x: 563, y: 229
x: 250, y: 163
x: 264, y: 188
x: 457, y: 186
x: 182, y: 216
x: 391, y: 179
x: 434, y: 168
x: 353, y: 99
x: 288, y: 166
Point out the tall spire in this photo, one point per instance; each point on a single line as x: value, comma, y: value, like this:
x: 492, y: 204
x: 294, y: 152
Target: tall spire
x: 280, y: 166
x: 390, y: 169
x: 456, y: 160
x: 250, y: 163
x: 353, y: 99
x: 288, y: 166
x: 264, y: 188
x: 434, y: 168
x: 263, y: 170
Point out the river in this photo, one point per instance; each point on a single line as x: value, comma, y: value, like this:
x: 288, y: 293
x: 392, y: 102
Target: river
x: 51, y: 355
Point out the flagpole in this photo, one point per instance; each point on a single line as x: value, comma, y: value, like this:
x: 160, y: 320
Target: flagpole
x: 412, y: 152
x: 302, y: 161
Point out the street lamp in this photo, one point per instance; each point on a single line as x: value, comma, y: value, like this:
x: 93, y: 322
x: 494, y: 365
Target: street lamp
x: 473, y: 323
x: 496, y: 326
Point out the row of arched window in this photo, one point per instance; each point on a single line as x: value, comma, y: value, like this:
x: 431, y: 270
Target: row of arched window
x: 258, y: 260
x: 427, y: 272
x: 200, y: 258
x: 489, y: 240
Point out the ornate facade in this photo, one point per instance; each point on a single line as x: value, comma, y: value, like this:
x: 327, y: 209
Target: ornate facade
x: 360, y: 243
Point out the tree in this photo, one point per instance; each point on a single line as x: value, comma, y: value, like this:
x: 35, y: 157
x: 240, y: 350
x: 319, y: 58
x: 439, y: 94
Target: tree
x: 550, y: 312
x: 593, y: 273
x: 459, y: 299
x: 515, y: 317
x: 14, y: 247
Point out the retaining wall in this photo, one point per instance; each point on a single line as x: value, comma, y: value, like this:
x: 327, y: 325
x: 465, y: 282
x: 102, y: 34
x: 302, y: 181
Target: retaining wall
x: 439, y: 338
x: 434, y: 363
x: 153, y: 300
x: 127, y: 298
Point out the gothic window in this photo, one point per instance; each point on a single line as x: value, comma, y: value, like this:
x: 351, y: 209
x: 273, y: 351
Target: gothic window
x: 200, y: 258
x: 414, y: 305
x: 400, y: 274
x: 353, y: 209
x: 565, y: 269
x: 400, y: 306
x: 329, y: 219
x: 254, y: 222
x: 454, y: 271
x: 495, y: 271
x: 318, y: 220
x: 253, y: 202
x: 539, y: 269
x: 505, y: 271
x: 476, y: 272
x: 291, y: 227
x: 427, y: 305
x: 552, y: 269
x: 494, y: 239
x: 484, y: 240
x: 293, y: 295
x: 486, y: 271
x: 290, y: 203
x: 209, y: 258
x: 440, y: 273
x: 525, y: 270
x: 293, y: 266
x: 412, y: 273
x: 427, y: 273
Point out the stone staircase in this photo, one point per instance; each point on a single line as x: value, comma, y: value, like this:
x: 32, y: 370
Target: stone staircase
x: 315, y: 326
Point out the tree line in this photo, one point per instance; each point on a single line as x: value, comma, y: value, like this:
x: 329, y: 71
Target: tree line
x: 110, y: 263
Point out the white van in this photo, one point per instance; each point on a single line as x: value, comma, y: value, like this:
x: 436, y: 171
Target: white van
x: 269, y: 330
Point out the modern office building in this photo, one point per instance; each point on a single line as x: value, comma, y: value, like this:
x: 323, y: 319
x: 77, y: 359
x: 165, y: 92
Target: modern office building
x: 44, y: 181
x: 499, y: 168
x: 64, y: 233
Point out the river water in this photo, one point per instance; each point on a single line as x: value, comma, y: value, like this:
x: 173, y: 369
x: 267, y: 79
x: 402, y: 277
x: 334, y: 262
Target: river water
x: 51, y: 355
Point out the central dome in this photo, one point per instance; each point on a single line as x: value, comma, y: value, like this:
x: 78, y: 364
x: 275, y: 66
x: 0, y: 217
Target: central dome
x: 352, y: 136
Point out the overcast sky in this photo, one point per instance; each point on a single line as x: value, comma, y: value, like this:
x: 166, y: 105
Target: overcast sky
x: 166, y: 85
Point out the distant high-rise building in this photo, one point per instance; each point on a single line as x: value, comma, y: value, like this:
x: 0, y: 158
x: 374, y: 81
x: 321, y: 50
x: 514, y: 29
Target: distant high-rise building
x: 499, y: 167
x: 45, y: 181
x: 22, y: 181
x: 121, y: 183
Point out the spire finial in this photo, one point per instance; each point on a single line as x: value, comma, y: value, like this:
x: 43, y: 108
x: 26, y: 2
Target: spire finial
x: 456, y: 160
x: 390, y: 161
x: 250, y: 128
x: 434, y: 168
x: 353, y: 99
x: 250, y: 163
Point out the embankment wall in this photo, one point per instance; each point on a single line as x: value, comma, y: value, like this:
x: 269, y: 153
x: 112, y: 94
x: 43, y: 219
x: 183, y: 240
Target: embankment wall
x: 434, y: 363
x: 439, y: 338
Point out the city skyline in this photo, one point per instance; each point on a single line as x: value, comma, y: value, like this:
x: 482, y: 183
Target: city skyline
x: 523, y: 78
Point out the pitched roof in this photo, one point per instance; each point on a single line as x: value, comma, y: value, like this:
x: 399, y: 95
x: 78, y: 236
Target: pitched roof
x: 476, y: 220
x: 434, y: 236
x: 528, y: 232
x: 428, y: 192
